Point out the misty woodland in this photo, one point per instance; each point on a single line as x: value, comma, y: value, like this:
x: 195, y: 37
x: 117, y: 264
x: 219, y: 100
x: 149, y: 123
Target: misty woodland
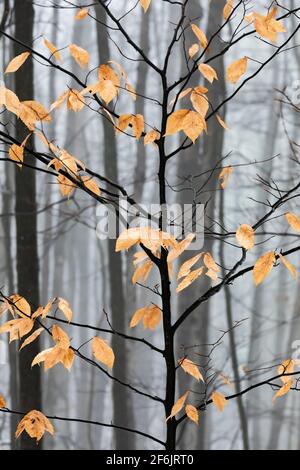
x: 128, y: 327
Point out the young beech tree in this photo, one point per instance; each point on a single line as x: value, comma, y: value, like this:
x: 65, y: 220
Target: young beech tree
x: 157, y: 249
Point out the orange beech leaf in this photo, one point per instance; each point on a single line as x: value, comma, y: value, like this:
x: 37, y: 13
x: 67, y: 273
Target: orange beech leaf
x: 283, y: 390
x: 208, y: 72
x: 35, y: 424
x: 107, y: 73
x: 2, y: 402
x: 145, y: 4
x: 219, y: 400
x: 82, y: 13
x: 289, y: 266
x: 236, y: 70
x: 103, y: 352
x: 192, y: 413
x: 193, y: 125
x: 293, y: 220
x: 64, y: 306
x: 17, y: 62
x: 180, y: 247
x: 151, y: 137
x: 10, y: 100
x: 194, y: 49
x: 178, y: 405
x: 200, y: 35
x: 20, y: 305
x: 191, y: 368
x: 16, y: 153
x: 32, y: 337
x: 228, y: 9
x: 152, y: 317
x: 267, y: 26
x: 189, y: 279
x: 200, y: 103
x: 60, y: 337
x: 65, y: 185
x: 53, y: 356
x: 17, y: 328
x: 80, y: 55
x: 224, y: 176
x: 175, y: 121
x: 91, y: 185
x: 142, y: 272
x: 222, y: 122
x: 245, y: 236
x: 75, y: 100
x: 263, y: 267
x: 286, y: 367
x: 39, y: 111
x: 185, y: 268
x: 53, y: 49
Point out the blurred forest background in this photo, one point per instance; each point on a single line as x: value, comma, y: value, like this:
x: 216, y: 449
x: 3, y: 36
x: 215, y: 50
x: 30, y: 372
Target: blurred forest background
x: 76, y: 265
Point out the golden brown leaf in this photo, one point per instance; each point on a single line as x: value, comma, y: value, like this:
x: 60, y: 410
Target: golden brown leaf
x: 263, y: 267
x: 137, y: 317
x: 20, y: 305
x: 91, y: 185
x: 17, y: 62
x: 191, y: 368
x: 236, y: 70
x: 145, y: 4
x: 180, y: 247
x: 103, y: 352
x: 32, y: 337
x: 35, y: 424
x: 194, y: 49
x: 200, y: 35
x: 222, y: 122
x: 185, y: 268
x: 64, y: 306
x: 293, y: 220
x: 60, y: 337
x: 193, y: 125
x: 80, y: 55
x: 53, y: 49
x: 82, y: 13
x: 175, y: 121
x: 189, y: 279
x: 152, y: 317
x: 2, y: 402
x: 192, y: 413
x: 16, y: 153
x: 178, y: 405
x: 208, y: 72
x: 289, y: 266
x: 200, y: 103
x: 245, y: 236
x: 224, y: 176
x: 151, y: 137
x: 219, y: 400
x: 228, y: 9
x: 283, y: 390
x: 287, y: 367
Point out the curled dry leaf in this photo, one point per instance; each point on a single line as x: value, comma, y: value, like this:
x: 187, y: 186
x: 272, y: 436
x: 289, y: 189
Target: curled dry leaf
x: 289, y: 266
x: 193, y: 50
x: 287, y: 367
x: 219, y: 400
x: 245, y: 236
x: 82, y: 13
x: 191, y: 368
x: 263, y: 267
x: 208, y: 72
x: 35, y: 424
x: 267, y: 26
x: 178, y: 405
x: 224, y: 176
x: 17, y: 62
x: 222, y: 122
x: 145, y: 4
x: 53, y: 356
x: 53, y: 49
x: 32, y: 337
x: 192, y: 413
x: 80, y: 55
x: 151, y: 137
x: 64, y: 306
x: 2, y: 402
x: 185, y: 268
x: 293, y: 220
x: 228, y: 9
x: 200, y: 36
x: 189, y: 279
x: 236, y: 70
x: 283, y: 390
x: 103, y: 352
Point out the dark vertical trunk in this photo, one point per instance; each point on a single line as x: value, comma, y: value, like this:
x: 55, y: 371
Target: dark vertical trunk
x: 122, y: 414
x: 26, y: 225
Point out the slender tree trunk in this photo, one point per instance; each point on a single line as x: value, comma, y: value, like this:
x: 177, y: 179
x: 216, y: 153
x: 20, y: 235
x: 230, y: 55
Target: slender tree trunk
x: 26, y: 225
x: 121, y: 397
